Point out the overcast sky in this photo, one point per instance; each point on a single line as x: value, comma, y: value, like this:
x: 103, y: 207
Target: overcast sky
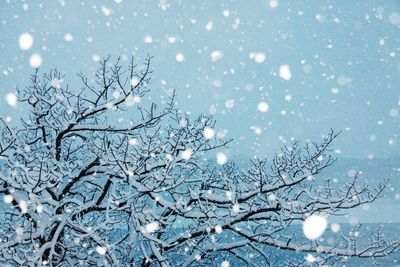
x: 314, y: 65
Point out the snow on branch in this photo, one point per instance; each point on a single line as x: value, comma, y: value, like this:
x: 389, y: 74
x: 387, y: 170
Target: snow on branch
x: 80, y: 188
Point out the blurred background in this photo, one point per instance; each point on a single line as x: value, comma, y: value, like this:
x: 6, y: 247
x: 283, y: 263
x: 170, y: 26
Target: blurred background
x: 270, y: 71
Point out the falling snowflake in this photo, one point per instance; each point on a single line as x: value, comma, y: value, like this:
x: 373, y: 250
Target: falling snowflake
x: 335, y: 227
x: 8, y: 198
x: 285, y: 72
x: 229, y: 103
x: 310, y: 258
x: 25, y: 41
x: 151, y: 227
x: 148, y: 39
x: 23, y: 206
x: 39, y: 208
x: 133, y: 141
x: 106, y: 11
x: 314, y: 226
x: 209, y: 26
x: 68, y: 37
x: 208, y: 133
x: 273, y: 3
x: 35, y: 60
x: 187, y: 154
x: 218, y: 229
x: 180, y: 57
x: 221, y: 158
x: 263, y: 107
x: 216, y: 55
x: 101, y: 250
x: 11, y: 99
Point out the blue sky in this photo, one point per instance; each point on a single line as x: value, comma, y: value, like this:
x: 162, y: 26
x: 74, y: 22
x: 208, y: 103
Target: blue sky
x: 343, y: 58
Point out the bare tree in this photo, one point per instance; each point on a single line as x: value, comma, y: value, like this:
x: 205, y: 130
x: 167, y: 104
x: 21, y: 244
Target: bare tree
x: 81, y: 188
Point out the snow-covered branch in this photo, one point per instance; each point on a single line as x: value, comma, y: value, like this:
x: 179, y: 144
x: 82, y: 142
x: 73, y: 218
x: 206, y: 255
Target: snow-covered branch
x: 80, y: 188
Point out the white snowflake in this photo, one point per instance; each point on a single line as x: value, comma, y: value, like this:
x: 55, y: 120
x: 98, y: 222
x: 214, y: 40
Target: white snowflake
x: 25, y: 41
x: 187, y: 154
x: 151, y: 227
x: 68, y: 37
x: 180, y: 57
x: 221, y: 158
x: 35, y: 60
x: 285, y: 72
x: 216, y: 55
x: 218, y: 229
x: 8, y: 198
x: 101, y: 250
x: 263, y: 107
x: 208, y: 133
x: 11, y: 99
x: 314, y: 226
